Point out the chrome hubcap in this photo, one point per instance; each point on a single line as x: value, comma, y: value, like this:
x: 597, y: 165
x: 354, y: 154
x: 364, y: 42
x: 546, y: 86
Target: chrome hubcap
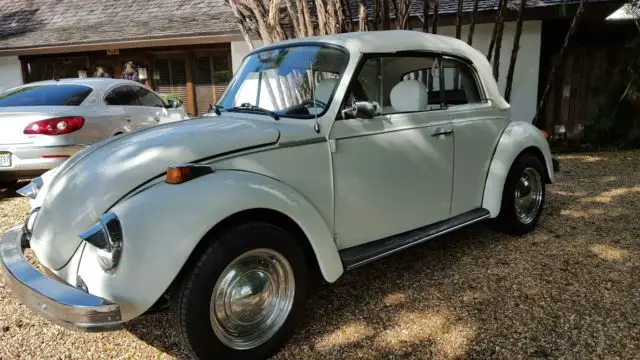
x: 528, y: 196
x: 252, y: 299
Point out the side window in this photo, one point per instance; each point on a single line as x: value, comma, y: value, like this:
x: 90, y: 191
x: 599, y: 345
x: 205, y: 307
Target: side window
x: 460, y: 85
x: 147, y: 98
x: 111, y: 98
x: 398, y: 84
x: 122, y: 95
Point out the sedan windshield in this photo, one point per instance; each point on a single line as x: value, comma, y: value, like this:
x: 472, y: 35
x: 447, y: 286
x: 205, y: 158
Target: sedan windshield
x: 45, y: 95
x: 296, y: 81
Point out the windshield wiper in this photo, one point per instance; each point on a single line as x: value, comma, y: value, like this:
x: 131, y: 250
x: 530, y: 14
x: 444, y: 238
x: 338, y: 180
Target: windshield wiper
x: 251, y: 107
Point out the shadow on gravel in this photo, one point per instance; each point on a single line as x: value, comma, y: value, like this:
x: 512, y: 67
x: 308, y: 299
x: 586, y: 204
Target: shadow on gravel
x: 8, y: 191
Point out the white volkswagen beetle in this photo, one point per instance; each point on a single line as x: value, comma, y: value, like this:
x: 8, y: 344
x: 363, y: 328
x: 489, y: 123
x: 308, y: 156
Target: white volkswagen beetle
x: 326, y: 153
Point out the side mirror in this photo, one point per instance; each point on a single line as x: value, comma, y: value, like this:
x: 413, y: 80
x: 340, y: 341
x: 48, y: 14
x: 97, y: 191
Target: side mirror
x: 174, y: 104
x: 362, y: 110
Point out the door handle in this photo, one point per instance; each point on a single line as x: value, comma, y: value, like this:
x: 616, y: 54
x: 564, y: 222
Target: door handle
x: 441, y: 131
x: 157, y: 118
x: 127, y: 119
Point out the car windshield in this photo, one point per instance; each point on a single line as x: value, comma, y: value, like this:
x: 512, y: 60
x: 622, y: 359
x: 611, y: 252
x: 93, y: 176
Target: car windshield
x: 45, y: 95
x: 296, y: 81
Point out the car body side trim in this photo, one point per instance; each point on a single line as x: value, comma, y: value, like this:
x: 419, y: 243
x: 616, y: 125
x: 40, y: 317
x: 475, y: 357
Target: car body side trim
x: 362, y: 254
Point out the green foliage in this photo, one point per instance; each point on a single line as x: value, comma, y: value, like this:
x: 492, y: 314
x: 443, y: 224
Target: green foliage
x: 168, y: 97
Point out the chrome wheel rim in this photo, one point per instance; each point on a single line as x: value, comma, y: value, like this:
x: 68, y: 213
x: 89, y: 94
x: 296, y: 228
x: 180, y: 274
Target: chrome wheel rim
x: 252, y: 299
x: 528, y: 195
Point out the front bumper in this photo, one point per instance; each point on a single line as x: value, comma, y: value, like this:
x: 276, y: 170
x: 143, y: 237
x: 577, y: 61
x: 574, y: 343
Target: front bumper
x: 29, y: 161
x: 61, y: 303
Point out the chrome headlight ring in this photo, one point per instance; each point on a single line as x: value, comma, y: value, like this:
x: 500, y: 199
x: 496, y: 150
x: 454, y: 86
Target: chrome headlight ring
x: 106, y: 235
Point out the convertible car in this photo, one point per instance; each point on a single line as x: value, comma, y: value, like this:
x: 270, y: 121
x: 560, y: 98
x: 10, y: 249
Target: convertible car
x: 324, y: 154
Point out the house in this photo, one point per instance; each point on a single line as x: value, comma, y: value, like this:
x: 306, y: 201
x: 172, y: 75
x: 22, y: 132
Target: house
x: 191, y: 47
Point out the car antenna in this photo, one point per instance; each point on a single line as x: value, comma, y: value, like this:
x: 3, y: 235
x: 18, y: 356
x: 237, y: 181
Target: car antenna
x: 316, y: 126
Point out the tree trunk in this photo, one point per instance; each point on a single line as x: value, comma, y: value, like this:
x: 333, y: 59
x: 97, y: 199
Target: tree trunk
x: 362, y: 16
x: 560, y: 58
x: 241, y: 23
x: 294, y: 19
x: 459, y: 20
x: 260, y: 16
x: 425, y: 16
x: 302, y: 21
x: 321, y: 14
x: 349, y: 21
x: 386, y: 18
x: 331, y: 17
x: 307, y: 17
x: 275, y: 27
x: 514, y: 51
x: 472, y: 26
x: 436, y: 5
x: 498, y: 46
x: 495, y: 30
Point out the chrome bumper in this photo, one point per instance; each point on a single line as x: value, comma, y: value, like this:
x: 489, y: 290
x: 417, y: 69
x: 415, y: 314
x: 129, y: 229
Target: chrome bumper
x: 61, y: 303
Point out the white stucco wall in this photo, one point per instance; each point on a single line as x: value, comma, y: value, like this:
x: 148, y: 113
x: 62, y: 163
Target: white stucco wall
x: 524, y: 93
x: 10, y: 72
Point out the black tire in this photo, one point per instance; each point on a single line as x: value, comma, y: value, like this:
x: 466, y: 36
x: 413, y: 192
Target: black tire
x: 190, y: 299
x: 508, y: 220
x: 8, y: 184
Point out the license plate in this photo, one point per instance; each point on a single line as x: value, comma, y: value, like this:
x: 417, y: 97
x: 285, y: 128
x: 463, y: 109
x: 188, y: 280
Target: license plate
x: 5, y: 159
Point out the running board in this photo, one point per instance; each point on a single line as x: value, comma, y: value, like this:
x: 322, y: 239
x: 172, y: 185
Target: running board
x: 356, y: 256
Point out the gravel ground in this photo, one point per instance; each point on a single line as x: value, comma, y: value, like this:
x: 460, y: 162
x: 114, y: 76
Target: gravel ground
x: 569, y: 290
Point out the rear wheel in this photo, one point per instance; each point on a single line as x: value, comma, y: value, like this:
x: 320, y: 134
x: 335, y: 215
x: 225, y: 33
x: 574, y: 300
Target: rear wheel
x: 523, y: 196
x: 244, y: 295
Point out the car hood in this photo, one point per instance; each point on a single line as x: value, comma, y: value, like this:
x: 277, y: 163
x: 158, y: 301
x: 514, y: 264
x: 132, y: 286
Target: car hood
x: 93, y: 180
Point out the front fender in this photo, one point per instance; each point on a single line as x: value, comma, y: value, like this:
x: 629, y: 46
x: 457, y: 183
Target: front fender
x: 516, y: 138
x: 163, y: 224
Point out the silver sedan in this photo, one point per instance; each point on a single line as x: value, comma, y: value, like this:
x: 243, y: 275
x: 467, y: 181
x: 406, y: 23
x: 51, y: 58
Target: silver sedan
x: 42, y: 124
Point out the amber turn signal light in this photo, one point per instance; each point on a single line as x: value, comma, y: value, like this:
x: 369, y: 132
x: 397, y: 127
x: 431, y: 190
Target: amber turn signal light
x: 183, y: 173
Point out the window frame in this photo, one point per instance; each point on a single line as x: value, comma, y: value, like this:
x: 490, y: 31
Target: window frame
x: 476, y: 78
x: 439, y: 55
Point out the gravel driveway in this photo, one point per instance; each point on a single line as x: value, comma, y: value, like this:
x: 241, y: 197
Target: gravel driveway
x: 569, y: 290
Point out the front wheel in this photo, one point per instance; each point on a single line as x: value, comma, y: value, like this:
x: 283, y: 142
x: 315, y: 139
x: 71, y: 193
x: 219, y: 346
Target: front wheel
x: 523, y: 196
x: 244, y: 295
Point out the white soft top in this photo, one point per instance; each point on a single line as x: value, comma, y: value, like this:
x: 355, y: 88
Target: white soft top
x: 391, y: 41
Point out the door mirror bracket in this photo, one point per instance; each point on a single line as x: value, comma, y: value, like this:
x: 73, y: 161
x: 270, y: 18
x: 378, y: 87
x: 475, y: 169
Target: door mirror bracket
x: 362, y: 110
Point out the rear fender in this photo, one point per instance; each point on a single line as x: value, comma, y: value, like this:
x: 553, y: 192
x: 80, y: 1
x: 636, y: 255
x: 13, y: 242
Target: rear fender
x: 518, y: 137
x: 163, y: 224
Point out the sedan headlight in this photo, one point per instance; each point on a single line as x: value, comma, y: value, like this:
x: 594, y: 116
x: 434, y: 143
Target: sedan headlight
x: 31, y: 191
x: 106, y: 235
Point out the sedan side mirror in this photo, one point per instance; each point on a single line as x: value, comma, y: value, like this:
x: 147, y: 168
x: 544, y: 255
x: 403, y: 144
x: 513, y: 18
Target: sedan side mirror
x: 174, y: 104
x: 362, y: 110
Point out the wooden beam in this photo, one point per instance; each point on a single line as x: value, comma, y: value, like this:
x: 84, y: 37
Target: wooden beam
x: 191, y: 98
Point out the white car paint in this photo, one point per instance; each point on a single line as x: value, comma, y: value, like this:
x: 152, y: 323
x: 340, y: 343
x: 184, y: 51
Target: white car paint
x: 284, y: 166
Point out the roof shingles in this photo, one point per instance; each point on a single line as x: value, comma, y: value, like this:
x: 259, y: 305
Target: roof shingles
x: 39, y: 23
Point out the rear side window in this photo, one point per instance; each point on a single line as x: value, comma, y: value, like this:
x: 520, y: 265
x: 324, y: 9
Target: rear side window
x: 122, y: 95
x: 46, y: 95
x: 147, y: 98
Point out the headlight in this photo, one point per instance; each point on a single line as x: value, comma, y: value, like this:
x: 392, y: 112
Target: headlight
x: 31, y: 191
x: 106, y: 235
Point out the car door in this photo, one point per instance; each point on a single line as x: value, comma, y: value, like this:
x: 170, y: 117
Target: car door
x: 152, y: 107
x: 477, y: 126
x: 392, y: 173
